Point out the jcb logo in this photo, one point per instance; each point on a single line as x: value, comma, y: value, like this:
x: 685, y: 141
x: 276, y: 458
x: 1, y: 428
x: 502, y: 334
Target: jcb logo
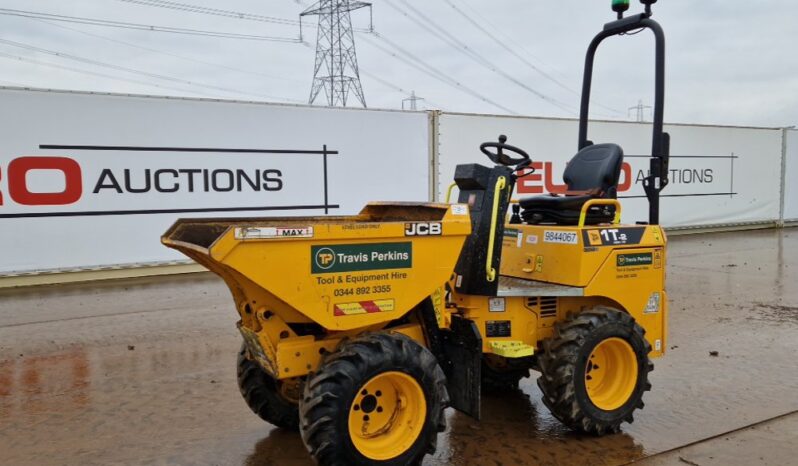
x: 595, y: 238
x: 325, y: 258
x: 423, y: 229
x: 20, y: 192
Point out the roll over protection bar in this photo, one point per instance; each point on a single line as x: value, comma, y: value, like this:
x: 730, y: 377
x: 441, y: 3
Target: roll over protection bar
x: 657, y: 179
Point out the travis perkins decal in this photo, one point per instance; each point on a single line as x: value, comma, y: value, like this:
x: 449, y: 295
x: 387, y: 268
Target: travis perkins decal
x: 631, y: 260
x: 359, y: 257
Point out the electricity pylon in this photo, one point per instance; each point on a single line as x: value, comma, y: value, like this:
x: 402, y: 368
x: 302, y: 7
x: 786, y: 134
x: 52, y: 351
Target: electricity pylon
x: 336, y: 70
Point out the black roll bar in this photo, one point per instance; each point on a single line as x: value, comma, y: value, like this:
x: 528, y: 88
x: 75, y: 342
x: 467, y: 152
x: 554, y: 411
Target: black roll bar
x: 660, y: 150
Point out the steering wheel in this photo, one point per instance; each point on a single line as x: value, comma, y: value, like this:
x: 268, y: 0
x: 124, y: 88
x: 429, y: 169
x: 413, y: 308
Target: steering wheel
x: 503, y: 159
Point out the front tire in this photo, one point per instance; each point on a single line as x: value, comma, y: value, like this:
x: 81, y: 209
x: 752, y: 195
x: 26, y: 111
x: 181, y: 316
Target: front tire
x: 379, y: 400
x: 264, y: 395
x: 595, y: 370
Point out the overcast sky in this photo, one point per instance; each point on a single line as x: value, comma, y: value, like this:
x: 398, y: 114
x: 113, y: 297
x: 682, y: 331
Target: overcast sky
x: 729, y: 61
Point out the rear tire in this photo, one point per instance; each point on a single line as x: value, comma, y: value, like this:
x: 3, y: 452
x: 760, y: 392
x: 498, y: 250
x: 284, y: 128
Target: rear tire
x: 263, y: 395
x: 595, y: 370
x: 378, y: 400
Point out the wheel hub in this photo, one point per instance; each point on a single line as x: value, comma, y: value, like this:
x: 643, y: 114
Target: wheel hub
x: 611, y: 374
x: 387, y: 415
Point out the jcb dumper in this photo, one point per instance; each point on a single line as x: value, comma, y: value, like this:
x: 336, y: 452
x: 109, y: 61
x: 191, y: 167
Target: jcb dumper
x: 359, y: 331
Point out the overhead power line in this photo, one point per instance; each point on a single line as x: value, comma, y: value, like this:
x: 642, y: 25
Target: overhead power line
x: 511, y: 38
x: 513, y: 50
x: 186, y: 7
x: 90, y: 61
x: 142, y: 27
x: 395, y: 87
x: 435, y: 29
x: 383, y: 81
x: 165, y: 53
x: 506, y: 47
x: 419, y: 64
x: 213, y: 11
x: 94, y: 73
x: 409, y: 58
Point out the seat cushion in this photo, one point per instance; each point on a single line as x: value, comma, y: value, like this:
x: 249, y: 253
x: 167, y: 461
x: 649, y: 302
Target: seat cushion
x: 563, y: 210
x: 554, y: 202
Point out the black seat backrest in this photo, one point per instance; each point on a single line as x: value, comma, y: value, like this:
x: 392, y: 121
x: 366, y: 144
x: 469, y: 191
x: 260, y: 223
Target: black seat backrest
x: 595, y: 168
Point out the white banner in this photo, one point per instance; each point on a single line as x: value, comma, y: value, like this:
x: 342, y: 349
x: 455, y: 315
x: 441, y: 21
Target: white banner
x: 791, y: 178
x: 718, y: 174
x: 94, y: 180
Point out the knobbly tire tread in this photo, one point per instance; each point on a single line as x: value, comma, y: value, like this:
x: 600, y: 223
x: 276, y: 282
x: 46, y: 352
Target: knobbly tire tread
x: 560, y: 360
x: 328, y: 394
x: 260, y: 391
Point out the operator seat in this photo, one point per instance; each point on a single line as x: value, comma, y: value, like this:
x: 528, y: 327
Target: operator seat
x: 592, y: 173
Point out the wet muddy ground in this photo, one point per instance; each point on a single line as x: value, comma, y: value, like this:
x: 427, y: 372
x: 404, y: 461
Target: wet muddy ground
x: 142, y: 372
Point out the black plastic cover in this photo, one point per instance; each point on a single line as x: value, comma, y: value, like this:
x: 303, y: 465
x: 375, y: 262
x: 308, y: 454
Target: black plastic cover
x: 463, y: 348
x: 477, y: 189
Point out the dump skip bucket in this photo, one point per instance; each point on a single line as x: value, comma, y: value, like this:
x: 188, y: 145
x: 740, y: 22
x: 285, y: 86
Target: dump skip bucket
x: 377, y: 265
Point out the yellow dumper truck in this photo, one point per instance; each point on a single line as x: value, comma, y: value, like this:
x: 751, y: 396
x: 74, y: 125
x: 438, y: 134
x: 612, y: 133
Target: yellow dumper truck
x: 359, y: 331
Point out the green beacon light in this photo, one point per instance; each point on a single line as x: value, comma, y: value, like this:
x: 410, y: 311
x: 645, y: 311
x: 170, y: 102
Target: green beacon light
x: 619, y: 6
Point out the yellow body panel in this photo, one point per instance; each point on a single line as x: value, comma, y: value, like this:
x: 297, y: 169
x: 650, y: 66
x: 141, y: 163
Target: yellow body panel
x: 619, y: 266
x: 569, y: 255
x: 285, y: 272
x: 488, y: 313
x: 374, y: 266
x: 345, y: 274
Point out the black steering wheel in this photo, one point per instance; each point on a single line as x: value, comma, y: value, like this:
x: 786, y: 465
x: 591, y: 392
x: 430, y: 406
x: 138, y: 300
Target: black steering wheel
x: 503, y: 159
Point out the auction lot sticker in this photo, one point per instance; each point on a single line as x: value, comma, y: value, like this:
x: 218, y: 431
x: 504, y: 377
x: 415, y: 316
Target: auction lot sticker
x: 561, y: 237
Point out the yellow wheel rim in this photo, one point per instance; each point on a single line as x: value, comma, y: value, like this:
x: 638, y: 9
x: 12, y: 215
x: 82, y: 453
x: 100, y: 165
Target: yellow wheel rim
x: 387, y: 416
x: 611, y: 374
